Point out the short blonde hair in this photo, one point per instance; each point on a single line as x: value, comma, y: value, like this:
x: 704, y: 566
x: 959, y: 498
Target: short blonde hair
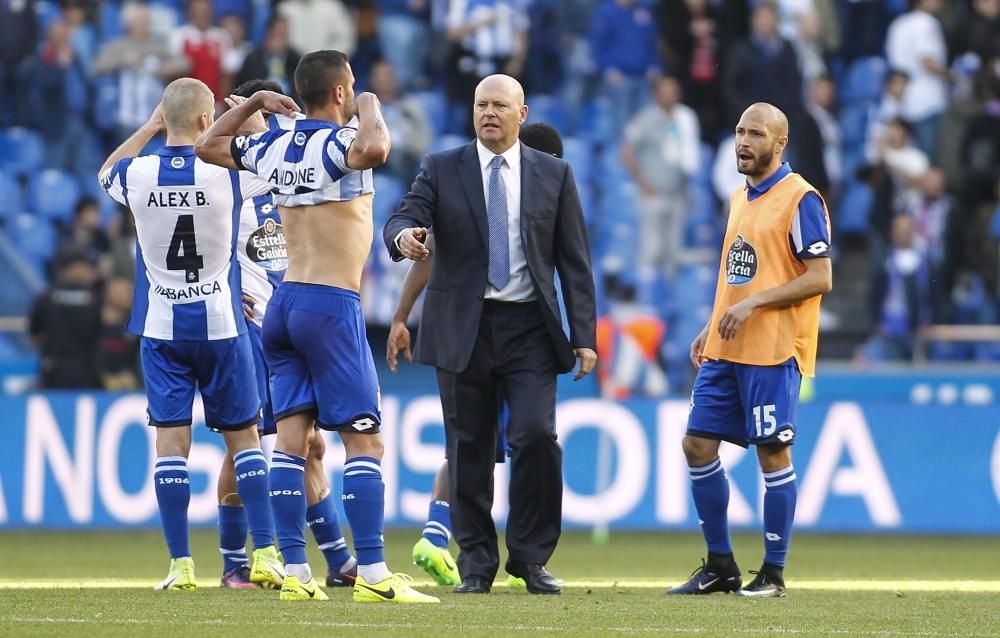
x: 184, y: 101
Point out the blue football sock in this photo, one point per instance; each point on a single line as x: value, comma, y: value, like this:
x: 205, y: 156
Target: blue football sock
x: 710, y: 489
x: 322, y: 520
x: 232, y: 536
x: 779, y: 512
x: 438, y: 527
x: 364, y: 504
x: 173, y: 494
x: 288, y: 500
x: 251, y: 483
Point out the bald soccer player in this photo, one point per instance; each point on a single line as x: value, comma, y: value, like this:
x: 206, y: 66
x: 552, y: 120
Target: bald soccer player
x: 187, y: 310
x: 753, y: 352
x: 506, y: 218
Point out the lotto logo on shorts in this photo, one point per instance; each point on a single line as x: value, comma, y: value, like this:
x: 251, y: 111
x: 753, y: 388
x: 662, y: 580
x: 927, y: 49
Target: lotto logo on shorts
x: 785, y: 436
x: 363, y: 424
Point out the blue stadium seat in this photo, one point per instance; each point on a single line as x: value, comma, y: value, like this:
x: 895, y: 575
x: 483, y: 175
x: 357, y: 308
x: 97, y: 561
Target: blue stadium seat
x: 436, y: 106
x: 53, y: 193
x: 47, y: 12
x: 580, y: 156
x: 597, y: 122
x: 34, y: 236
x: 388, y: 192
x: 106, y: 102
x: 11, y: 195
x: 855, y: 208
x: 445, y: 142
x: 22, y: 151
x: 854, y: 124
x: 547, y: 109
x: 864, y: 80
x: 110, y: 21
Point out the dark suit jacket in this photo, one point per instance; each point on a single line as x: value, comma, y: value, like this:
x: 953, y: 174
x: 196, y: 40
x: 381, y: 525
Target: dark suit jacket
x: 447, y: 196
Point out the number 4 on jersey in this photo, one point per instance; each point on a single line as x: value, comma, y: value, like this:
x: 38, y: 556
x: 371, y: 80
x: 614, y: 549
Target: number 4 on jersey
x: 183, y: 240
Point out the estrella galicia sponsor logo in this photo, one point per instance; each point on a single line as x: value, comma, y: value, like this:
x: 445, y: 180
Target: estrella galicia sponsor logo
x: 741, y: 262
x: 266, y: 247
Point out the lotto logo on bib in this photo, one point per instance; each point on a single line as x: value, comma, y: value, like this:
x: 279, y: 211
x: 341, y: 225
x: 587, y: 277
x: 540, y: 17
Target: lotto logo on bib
x: 266, y: 247
x: 741, y: 262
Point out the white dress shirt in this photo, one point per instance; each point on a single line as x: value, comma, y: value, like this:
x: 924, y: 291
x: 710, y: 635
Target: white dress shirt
x: 520, y: 287
x: 912, y: 38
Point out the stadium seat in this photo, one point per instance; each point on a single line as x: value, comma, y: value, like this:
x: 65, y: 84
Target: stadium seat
x: 436, y: 106
x: 22, y: 151
x: 388, y: 192
x: 106, y: 102
x: 445, y: 142
x: 11, y: 195
x: 854, y: 124
x: 34, y: 236
x: 855, y: 208
x: 863, y: 80
x: 110, y: 21
x: 47, y: 12
x: 580, y: 156
x: 547, y: 109
x: 53, y: 193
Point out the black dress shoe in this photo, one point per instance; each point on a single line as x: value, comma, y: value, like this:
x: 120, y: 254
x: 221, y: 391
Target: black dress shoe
x: 473, y: 584
x: 537, y: 579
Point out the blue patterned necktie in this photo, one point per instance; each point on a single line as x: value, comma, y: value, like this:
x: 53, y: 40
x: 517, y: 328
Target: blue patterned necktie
x: 496, y: 216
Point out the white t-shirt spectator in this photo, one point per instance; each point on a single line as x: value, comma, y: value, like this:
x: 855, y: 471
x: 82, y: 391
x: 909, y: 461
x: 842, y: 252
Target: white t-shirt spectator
x: 315, y: 25
x: 914, y: 37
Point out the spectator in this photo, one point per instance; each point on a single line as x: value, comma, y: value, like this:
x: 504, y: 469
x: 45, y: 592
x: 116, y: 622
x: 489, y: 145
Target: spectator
x: 889, y: 108
x: 978, y: 30
x: 234, y: 25
x: 86, y: 237
x: 915, y: 44
x: 820, y: 104
x: 404, y: 35
x: 319, y: 24
x: 810, y: 48
x: 906, y: 163
x: 725, y: 177
x: 117, y: 351
x: 123, y: 245
x: 64, y: 326
x: 932, y: 210
x: 623, y: 43
x: 60, y: 104
x: 18, y: 39
x: 406, y: 118
x: 77, y: 15
x: 763, y: 68
x: 694, y: 50
x: 143, y: 64
x: 866, y: 22
x: 980, y: 154
x: 543, y: 71
x: 578, y: 61
x: 274, y: 60
x: 487, y: 36
x: 660, y: 151
x: 902, y: 294
x: 205, y: 46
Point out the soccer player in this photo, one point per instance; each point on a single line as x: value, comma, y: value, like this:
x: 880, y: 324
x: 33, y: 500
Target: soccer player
x: 262, y: 257
x: 753, y: 352
x: 187, y: 310
x: 320, y: 363
x: 431, y: 551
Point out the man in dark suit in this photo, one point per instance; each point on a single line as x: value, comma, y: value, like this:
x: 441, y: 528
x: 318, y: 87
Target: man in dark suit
x: 505, y: 219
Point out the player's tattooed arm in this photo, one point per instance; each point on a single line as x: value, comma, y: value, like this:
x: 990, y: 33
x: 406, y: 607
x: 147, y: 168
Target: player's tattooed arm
x: 137, y: 141
x: 372, y: 142
x: 214, y: 146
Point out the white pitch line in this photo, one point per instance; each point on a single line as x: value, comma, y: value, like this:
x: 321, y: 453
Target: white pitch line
x: 970, y: 586
x: 465, y: 627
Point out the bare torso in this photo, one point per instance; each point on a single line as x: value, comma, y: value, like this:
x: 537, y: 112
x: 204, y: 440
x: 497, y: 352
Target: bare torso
x: 329, y: 243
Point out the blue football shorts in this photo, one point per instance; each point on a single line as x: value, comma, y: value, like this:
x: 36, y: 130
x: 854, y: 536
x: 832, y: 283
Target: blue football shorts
x: 318, y: 358
x: 219, y: 368
x: 745, y: 404
x: 267, y: 425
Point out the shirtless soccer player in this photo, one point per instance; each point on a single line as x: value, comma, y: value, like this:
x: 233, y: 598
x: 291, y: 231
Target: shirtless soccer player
x: 320, y: 365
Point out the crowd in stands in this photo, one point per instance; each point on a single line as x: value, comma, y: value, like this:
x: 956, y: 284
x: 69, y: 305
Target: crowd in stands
x: 894, y: 107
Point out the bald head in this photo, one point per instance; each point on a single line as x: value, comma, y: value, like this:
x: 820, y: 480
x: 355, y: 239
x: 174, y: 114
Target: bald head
x: 499, y: 112
x: 761, y: 137
x: 188, y: 106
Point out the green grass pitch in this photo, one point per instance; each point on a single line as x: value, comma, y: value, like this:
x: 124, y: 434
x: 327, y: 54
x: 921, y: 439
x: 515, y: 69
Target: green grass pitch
x: 64, y: 584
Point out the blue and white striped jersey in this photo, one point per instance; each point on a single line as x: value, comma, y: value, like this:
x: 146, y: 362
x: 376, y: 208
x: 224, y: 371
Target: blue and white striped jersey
x: 307, y: 165
x: 261, y: 252
x: 186, y: 217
